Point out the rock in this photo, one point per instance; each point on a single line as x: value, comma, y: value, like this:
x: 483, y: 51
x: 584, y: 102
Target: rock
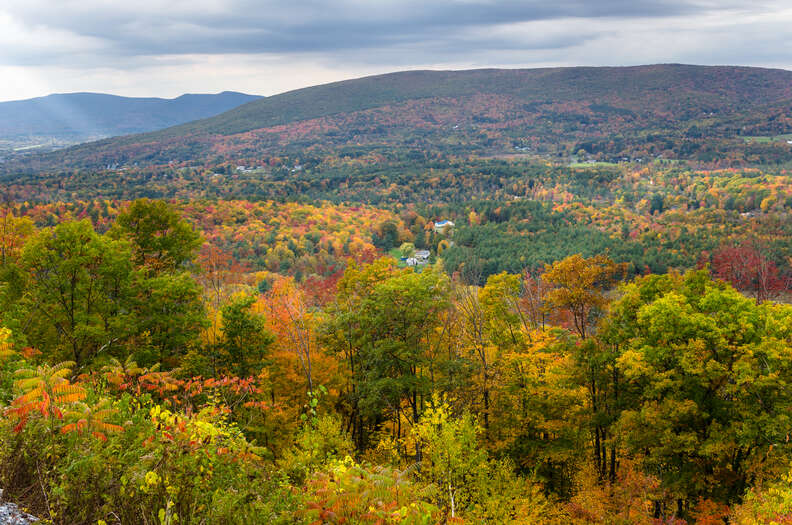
x: 11, y: 515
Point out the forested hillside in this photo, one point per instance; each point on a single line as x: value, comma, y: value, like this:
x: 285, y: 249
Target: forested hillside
x: 146, y: 373
x: 674, y: 111
x: 510, y: 215
x: 418, y: 298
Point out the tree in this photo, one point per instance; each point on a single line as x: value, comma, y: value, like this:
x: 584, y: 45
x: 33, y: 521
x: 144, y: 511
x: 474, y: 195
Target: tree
x: 167, y: 315
x: 294, y: 325
x: 490, y: 323
x: 500, y: 298
x: 161, y: 240
x: 538, y: 401
x: 245, y: 341
x: 710, y: 371
x: 6, y: 345
x: 397, y: 319
x: 388, y: 323
x: 407, y: 249
x: 468, y: 483
x: 220, y: 276
x: 77, y: 286
x: 748, y: 269
x: 387, y: 236
x: 534, y: 300
x: 78, y: 295
x: 342, y: 334
x: 166, y: 300
x: 453, y: 459
x: 580, y: 286
x: 13, y: 233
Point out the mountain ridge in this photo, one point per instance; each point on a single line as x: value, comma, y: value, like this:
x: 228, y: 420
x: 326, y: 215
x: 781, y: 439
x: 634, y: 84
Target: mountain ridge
x: 75, y: 117
x: 610, y: 111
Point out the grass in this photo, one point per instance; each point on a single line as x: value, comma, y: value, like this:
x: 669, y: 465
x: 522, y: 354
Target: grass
x: 594, y: 164
x: 768, y: 139
x: 396, y: 254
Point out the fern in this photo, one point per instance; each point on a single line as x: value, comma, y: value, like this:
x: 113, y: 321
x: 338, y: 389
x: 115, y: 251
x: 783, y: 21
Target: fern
x: 6, y: 346
x: 117, y: 372
x: 44, y: 389
x: 93, y: 419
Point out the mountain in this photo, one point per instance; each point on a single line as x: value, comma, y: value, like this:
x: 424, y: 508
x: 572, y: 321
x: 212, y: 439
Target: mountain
x: 671, y: 110
x: 77, y: 117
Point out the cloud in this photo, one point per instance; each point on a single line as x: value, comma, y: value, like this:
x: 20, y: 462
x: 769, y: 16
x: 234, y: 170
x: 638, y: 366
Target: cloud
x: 148, y: 27
x: 152, y: 39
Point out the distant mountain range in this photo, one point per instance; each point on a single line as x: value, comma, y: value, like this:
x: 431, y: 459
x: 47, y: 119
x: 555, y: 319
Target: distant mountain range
x: 668, y: 111
x: 78, y: 117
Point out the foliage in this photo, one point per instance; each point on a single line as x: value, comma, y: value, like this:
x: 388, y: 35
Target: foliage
x: 766, y: 504
x: 748, y: 268
x: 161, y: 240
x: 353, y: 493
x: 44, y: 390
x: 244, y: 343
x: 349, y: 388
x: 320, y: 444
x: 70, y: 274
x: 602, y: 113
x: 580, y: 286
x: 708, y: 368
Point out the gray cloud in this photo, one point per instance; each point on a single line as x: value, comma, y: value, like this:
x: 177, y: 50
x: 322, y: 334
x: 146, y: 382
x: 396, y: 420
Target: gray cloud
x: 370, y: 35
x: 284, y: 27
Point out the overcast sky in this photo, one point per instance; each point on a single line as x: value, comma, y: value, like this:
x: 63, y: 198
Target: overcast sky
x: 168, y: 47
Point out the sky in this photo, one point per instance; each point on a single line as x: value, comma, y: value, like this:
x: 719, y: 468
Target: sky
x: 169, y: 47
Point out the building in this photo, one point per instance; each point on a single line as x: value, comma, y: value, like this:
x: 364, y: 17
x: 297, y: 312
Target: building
x: 443, y: 226
x: 422, y: 256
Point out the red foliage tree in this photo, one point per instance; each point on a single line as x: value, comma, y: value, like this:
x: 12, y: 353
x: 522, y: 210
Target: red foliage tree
x: 748, y: 269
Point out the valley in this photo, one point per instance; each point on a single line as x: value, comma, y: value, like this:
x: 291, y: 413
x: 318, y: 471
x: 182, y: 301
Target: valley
x: 554, y: 295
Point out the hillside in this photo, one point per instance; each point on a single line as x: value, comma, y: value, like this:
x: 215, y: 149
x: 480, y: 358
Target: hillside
x: 77, y: 117
x: 672, y: 111
x: 231, y: 321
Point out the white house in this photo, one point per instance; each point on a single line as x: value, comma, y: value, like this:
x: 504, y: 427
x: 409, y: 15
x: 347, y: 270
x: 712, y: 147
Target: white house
x: 443, y: 226
x: 422, y: 255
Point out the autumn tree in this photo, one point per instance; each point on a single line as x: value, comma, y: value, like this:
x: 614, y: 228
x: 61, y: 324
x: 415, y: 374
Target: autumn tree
x: 710, y: 371
x: 397, y: 320
x: 386, y: 236
x: 407, y: 249
x: 540, y: 409
x: 13, y: 232
x: 385, y: 322
x: 341, y: 334
x: 472, y: 331
x: 168, y: 316
x: 220, y: 277
x: 79, y: 295
x: 490, y: 323
x: 294, y: 324
x: 470, y: 484
x: 580, y: 285
x: 749, y: 269
x: 166, y: 299
x: 534, y: 300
